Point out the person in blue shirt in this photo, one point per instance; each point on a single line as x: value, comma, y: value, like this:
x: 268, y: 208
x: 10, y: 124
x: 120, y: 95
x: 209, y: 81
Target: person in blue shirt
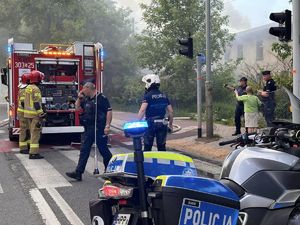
x: 268, y: 97
x: 97, y: 114
x: 239, y: 108
x: 154, y: 107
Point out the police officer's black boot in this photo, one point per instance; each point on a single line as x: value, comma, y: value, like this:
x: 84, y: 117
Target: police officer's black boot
x: 74, y: 175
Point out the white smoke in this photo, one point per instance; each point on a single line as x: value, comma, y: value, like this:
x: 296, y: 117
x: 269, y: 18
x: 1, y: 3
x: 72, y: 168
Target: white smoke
x: 134, y: 5
x: 237, y: 21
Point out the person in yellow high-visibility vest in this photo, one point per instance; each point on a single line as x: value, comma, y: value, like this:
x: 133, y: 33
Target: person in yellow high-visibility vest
x: 33, y: 112
x: 24, y: 136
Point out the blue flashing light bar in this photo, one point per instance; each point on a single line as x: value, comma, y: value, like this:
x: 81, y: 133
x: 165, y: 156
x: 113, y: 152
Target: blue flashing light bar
x: 133, y: 125
x: 9, y: 49
x: 102, y: 53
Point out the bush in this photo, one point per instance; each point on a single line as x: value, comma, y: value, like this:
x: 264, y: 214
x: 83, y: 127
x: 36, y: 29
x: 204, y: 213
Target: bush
x: 282, y: 110
x: 224, y: 112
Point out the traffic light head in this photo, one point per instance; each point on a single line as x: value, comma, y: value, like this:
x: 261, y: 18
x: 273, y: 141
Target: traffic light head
x: 187, y: 47
x: 284, y: 31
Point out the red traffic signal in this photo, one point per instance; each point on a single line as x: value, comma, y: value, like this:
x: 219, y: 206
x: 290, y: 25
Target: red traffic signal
x: 284, y: 31
x: 187, y: 47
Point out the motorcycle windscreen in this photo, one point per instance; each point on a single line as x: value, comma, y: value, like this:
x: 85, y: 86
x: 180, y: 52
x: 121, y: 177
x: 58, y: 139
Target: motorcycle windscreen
x: 295, y: 102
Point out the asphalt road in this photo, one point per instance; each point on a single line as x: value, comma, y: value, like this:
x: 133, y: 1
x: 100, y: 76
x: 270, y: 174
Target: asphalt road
x: 35, y: 192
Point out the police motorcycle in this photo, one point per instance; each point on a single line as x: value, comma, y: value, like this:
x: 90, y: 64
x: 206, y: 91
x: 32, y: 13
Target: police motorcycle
x: 161, y: 188
x: 265, y: 173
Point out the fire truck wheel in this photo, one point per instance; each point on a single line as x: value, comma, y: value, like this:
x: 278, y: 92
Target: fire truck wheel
x: 11, y: 136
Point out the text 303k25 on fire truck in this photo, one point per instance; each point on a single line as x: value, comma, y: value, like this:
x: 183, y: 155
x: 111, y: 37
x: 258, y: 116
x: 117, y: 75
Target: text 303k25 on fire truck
x: 66, y: 68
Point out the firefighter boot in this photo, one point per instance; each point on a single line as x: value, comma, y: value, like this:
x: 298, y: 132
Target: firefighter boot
x: 35, y: 156
x: 24, y: 151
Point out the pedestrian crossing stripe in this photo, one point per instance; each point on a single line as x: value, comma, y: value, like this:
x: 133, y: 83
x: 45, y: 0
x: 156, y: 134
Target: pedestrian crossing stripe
x: 16, y: 131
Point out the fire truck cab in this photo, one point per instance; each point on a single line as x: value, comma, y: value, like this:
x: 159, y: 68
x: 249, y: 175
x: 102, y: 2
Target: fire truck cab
x: 66, y: 69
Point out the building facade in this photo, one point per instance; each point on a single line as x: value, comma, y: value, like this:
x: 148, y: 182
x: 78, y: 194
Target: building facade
x: 253, y: 49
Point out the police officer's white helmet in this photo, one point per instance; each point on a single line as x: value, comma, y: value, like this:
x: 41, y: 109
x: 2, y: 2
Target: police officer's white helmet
x: 150, y: 79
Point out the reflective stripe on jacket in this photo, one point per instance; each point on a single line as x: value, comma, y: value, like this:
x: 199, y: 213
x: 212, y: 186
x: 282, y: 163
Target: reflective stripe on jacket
x: 21, y: 98
x: 32, y: 95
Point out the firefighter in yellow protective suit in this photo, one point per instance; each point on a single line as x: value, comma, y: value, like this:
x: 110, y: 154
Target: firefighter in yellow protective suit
x: 33, y: 112
x: 24, y: 136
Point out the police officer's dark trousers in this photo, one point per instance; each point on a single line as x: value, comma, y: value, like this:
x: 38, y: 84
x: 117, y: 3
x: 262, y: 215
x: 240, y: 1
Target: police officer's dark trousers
x: 89, y: 138
x: 269, y: 112
x: 239, y: 112
x: 158, y: 130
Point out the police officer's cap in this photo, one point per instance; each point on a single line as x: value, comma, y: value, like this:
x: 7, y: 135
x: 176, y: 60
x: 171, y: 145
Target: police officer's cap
x: 244, y: 79
x: 266, y: 72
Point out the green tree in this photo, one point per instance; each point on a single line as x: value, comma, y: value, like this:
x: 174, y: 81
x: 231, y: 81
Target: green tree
x: 157, y: 48
x: 66, y: 21
x: 283, y: 73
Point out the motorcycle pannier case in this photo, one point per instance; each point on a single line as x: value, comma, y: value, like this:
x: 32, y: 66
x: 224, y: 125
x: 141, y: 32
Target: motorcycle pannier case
x: 180, y: 200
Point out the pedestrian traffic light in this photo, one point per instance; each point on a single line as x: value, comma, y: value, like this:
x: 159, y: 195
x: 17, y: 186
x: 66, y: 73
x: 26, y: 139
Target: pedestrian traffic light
x: 284, y: 31
x: 187, y: 47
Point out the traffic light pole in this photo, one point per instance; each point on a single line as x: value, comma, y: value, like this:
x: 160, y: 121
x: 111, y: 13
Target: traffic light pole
x: 296, y: 56
x: 208, y: 86
x: 199, y: 95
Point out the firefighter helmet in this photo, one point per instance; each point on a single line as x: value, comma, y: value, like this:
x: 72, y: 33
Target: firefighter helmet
x: 150, y: 79
x: 24, y: 80
x: 36, y: 76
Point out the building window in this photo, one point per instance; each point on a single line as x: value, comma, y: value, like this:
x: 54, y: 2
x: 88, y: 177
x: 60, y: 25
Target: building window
x: 259, y: 51
x: 240, y: 53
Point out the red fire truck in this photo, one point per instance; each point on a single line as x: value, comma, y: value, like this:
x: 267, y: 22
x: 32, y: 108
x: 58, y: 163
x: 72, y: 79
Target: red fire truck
x: 66, y: 68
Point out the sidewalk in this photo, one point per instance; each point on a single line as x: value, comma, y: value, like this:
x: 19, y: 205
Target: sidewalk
x: 208, y: 156
x: 206, y: 148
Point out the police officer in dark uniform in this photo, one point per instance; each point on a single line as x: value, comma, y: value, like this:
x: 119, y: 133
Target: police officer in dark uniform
x: 93, y: 104
x: 239, y: 108
x: 268, y: 97
x: 155, y: 105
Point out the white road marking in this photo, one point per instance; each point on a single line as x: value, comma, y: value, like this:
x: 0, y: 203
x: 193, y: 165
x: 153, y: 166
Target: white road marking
x: 73, y: 155
x: 2, y: 131
x: 1, y: 189
x: 47, y: 177
x: 46, y: 212
x: 186, y: 129
x: 15, y: 149
x: 63, y: 205
x: 43, y: 173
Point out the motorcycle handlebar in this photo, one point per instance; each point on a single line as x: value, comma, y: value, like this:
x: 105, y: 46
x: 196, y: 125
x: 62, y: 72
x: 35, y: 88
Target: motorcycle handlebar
x: 237, y: 140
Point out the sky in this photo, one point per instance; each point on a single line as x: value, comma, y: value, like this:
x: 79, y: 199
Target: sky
x: 243, y: 14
